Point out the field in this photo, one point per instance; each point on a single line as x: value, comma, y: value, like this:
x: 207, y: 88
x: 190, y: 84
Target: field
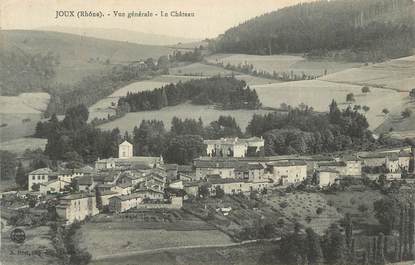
x: 199, y: 69
x: 18, y: 146
x: 37, y: 241
x: 207, y: 113
x: 319, y: 94
x: 398, y: 74
x: 282, y: 63
x: 146, y: 231
x: 19, y: 114
x: 252, y: 254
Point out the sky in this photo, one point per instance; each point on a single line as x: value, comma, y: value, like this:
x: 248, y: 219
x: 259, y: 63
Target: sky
x: 211, y: 17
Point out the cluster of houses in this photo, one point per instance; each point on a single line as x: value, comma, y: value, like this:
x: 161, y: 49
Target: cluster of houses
x: 234, y: 165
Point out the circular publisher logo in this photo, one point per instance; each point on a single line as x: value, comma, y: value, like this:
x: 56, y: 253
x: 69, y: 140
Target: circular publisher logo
x: 18, y: 235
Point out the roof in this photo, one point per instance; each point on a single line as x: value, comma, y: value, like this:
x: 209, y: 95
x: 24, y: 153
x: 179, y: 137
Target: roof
x: 108, y: 192
x: 85, y: 169
x: 126, y: 197
x: 77, y: 196
x: 328, y: 170
x: 332, y: 164
x: 171, y: 166
x: 143, y: 190
x: 49, y: 182
x: 41, y: 171
x: 215, y: 163
x: 185, y: 168
x: 290, y: 163
x: 404, y: 154
x: 123, y: 185
x: 233, y: 141
x: 85, y: 180
x: 126, y: 143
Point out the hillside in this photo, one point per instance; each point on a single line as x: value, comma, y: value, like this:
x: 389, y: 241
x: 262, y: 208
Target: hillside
x: 73, y: 57
x: 358, y: 30
x: 122, y: 35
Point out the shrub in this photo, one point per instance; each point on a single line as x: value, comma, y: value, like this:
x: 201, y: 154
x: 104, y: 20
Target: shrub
x: 283, y: 204
x: 319, y: 210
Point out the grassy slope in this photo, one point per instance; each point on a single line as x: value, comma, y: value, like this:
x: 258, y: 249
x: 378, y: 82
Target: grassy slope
x: 75, y: 51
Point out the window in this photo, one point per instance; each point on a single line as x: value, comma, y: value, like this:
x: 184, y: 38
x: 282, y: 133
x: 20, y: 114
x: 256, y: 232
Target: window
x: 43, y: 177
x: 38, y: 177
x: 33, y: 177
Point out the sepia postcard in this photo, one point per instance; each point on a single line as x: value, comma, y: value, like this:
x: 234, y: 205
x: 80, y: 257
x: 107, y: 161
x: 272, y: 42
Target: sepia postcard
x: 194, y: 132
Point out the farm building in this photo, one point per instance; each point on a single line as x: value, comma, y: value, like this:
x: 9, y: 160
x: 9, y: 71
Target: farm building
x: 122, y: 203
x: 287, y: 172
x: 38, y: 176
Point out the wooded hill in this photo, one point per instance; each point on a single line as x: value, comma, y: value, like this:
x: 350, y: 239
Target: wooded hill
x: 373, y: 29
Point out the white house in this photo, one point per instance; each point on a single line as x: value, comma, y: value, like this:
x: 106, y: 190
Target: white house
x: 76, y: 207
x: 234, y: 147
x: 38, y: 176
x: 288, y: 172
x: 326, y: 177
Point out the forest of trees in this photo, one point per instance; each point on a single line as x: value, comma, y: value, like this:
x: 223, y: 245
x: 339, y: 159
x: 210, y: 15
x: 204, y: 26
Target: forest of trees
x: 357, y: 30
x: 189, y: 56
x: 303, y: 131
x: 226, y: 92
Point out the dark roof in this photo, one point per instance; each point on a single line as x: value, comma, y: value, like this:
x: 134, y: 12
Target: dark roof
x: 85, y: 180
x: 215, y: 164
x: 184, y: 168
x: 332, y: 164
x: 328, y: 170
x: 171, y: 166
x: 126, y: 197
x: 77, y: 196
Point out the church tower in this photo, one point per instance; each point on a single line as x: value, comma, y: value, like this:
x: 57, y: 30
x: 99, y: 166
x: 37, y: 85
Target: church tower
x: 125, y: 150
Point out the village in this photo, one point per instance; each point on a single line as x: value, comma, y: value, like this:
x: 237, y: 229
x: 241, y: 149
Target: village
x: 232, y: 166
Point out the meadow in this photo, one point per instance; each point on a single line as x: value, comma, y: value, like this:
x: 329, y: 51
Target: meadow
x: 398, y: 74
x: 19, y: 145
x: 318, y: 94
x: 19, y: 114
x: 199, y: 69
x: 123, y: 235
x: 283, y: 63
x: 207, y: 113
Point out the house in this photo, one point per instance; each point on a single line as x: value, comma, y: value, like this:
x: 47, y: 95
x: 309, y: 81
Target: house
x: 122, y: 203
x: 129, y: 178
x: 253, y: 172
x: 235, y: 186
x: 327, y: 177
x: 392, y: 163
x: 106, y: 196
x: 53, y: 186
x: 86, y: 183
x: 76, y: 207
x: 150, y: 194
x: 38, y: 176
x: 171, y: 171
x: 211, y: 166
x: 353, y: 166
x: 122, y: 188
x: 191, y: 188
x: 288, y: 172
x: 404, y: 160
x: 177, y: 184
x: 234, y: 147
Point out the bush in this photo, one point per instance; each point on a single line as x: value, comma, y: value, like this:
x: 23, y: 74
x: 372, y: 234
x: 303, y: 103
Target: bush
x: 283, y: 204
x: 363, y: 208
x: 319, y: 210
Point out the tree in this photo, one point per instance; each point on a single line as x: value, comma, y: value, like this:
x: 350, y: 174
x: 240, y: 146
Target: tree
x: 98, y: 199
x: 21, y: 177
x: 406, y: 113
x: 219, y: 192
x: 203, y: 191
x: 314, y: 252
x: 8, y: 163
x: 385, y: 111
x: 350, y: 97
x: 365, y: 108
x: 387, y: 212
x: 334, y: 245
x: 365, y: 89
